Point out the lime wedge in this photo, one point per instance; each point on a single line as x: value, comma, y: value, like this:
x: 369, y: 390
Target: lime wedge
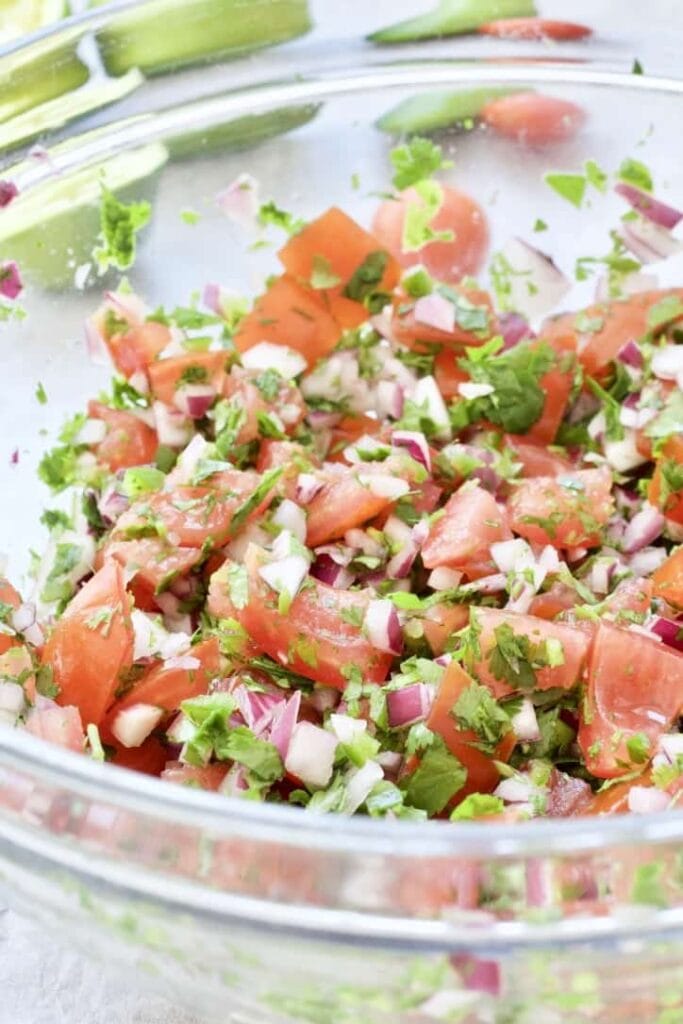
x: 452, y: 18
x: 19, y: 17
x: 241, y: 132
x: 434, y: 111
x: 59, y: 111
x: 43, y: 69
x: 52, y: 228
x: 171, y: 33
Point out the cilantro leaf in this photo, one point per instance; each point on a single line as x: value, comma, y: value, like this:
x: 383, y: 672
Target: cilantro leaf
x: 571, y: 187
x: 419, y: 214
x: 478, y: 805
x: 119, y: 225
x: 436, y: 780
x: 269, y: 213
x: 611, y: 408
x: 416, y: 160
x: 633, y: 172
x: 362, y: 285
x: 517, y: 400
x: 259, y: 756
x: 665, y: 311
x: 511, y: 658
x: 477, y: 709
x: 268, y: 481
x: 322, y: 275
x: 670, y: 420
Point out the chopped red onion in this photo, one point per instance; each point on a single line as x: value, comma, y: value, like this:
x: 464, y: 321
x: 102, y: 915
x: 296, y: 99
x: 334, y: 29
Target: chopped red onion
x: 310, y: 756
x: 629, y: 284
x: 195, y: 400
x: 647, y: 800
x: 517, y: 789
x: 359, y: 784
x: 290, y: 516
x: 320, y: 420
x: 421, y: 531
x: 23, y: 616
x: 400, y: 564
x: 12, y: 701
x: 670, y: 632
x: 330, y: 572
x: 342, y: 554
x: 444, y: 578
x: 645, y: 527
x: 133, y: 725
x: 382, y: 626
x: 283, y: 723
x: 492, y: 584
x: 267, y: 356
x: 514, y: 328
x: 324, y: 698
x: 14, y: 457
x: 256, y: 707
x: 436, y: 311
x: 671, y: 746
x: 427, y: 394
x: 525, y: 724
x: 509, y: 555
x: 307, y: 486
x: 240, y: 201
x: 409, y: 705
x: 470, y: 390
x: 646, y: 561
x: 10, y: 280
x: 127, y: 305
x: 173, y: 428
x: 444, y: 660
x: 477, y: 975
x: 381, y: 322
x: 654, y: 209
x: 667, y: 362
x: 346, y: 728
x: 539, y: 888
x: 601, y: 575
x: 235, y: 782
x: 536, y: 283
x: 285, y: 575
x: 648, y: 242
x: 522, y: 594
x: 384, y: 486
x: 390, y: 398
x: 112, y: 504
x: 8, y: 192
x: 416, y: 444
x: 631, y: 354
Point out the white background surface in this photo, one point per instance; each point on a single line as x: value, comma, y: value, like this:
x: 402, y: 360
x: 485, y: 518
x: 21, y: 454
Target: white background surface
x: 43, y: 983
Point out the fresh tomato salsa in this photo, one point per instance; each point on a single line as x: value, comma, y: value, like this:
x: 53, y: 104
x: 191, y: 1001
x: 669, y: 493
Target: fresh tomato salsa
x: 381, y: 541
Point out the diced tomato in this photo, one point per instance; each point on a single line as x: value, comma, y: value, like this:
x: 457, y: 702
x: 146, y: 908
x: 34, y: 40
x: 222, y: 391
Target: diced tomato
x: 535, y: 29
x: 194, y: 516
x: 167, y: 375
x: 342, y: 504
x: 409, y: 331
x: 574, y: 644
x: 614, y: 323
x: 208, y: 776
x: 288, y: 314
x: 556, y: 385
x: 668, y: 579
x: 634, y: 687
x: 8, y: 595
x: 292, y: 457
x: 660, y: 493
x: 446, y: 261
x: 566, y: 795
x: 150, y: 758
x: 219, y: 604
x: 448, y: 374
x: 348, y: 430
x: 60, y: 725
x: 565, y: 511
x: 287, y: 404
x: 615, y: 800
x: 482, y: 774
x: 314, y: 637
x: 536, y: 459
x: 167, y: 686
x: 16, y: 665
x: 462, y: 537
x: 344, y: 246
x: 92, y: 643
x: 129, y: 441
x: 153, y: 561
x: 560, y: 598
x: 133, y: 351
x: 533, y: 119
x: 441, y: 621
x: 631, y: 595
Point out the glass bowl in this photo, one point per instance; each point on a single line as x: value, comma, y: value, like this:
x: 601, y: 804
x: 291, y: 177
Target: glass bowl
x: 252, y: 913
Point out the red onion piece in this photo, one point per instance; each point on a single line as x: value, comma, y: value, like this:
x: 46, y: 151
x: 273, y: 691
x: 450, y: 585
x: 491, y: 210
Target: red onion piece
x: 307, y: 486
x: 478, y: 975
x: 195, y: 400
x: 390, y: 398
x: 409, y: 705
x: 444, y: 660
x: 8, y: 192
x: 645, y: 527
x: 400, y: 564
x: 10, y: 280
x: 630, y: 354
x: 648, y: 242
x: 322, y: 420
x: 310, y: 756
x: 416, y: 444
x: 514, y: 328
x: 629, y: 284
x: 667, y: 362
x: 654, y: 209
x: 525, y: 723
x: 14, y: 457
x: 240, y: 201
x: 384, y: 486
x: 95, y: 344
x: 382, y: 626
x: 330, y: 572
x: 538, y: 883
x: 435, y: 311
x: 536, y: 269
x: 670, y: 632
x: 134, y: 724
x: 646, y: 561
x: 382, y: 322
x: 283, y: 723
x: 128, y: 305
x: 211, y: 297
x: 647, y: 800
x: 444, y: 578
x: 255, y: 705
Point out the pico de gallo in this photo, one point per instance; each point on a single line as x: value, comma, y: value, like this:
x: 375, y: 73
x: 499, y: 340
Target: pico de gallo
x: 381, y: 542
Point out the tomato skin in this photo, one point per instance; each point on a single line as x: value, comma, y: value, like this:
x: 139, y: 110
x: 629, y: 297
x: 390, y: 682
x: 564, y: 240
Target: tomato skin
x: 634, y: 686
x: 345, y: 245
x: 536, y: 459
x: 167, y: 686
x: 446, y: 261
x: 462, y: 537
x: 288, y: 314
x: 580, y: 502
x: 560, y: 598
x: 448, y: 374
x: 16, y: 664
x: 557, y: 386
x: 240, y: 387
x: 668, y: 579
x: 415, y: 335
x: 672, y: 507
x: 149, y: 758
x: 314, y: 617
x: 342, y: 504
x: 152, y: 561
x: 533, y: 119
x: 535, y: 29
x: 441, y: 621
x: 482, y: 774
x: 133, y: 351
x: 575, y: 645
x: 8, y: 595
x: 129, y: 441
x: 60, y: 725
x: 87, y: 660
x: 207, y: 776
x: 616, y: 322
x: 165, y: 375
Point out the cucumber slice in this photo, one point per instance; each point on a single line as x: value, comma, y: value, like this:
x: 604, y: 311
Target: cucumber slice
x: 19, y: 17
x: 44, y: 69
x: 242, y: 132
x: 59, y: 111
x: 433, y: 111
x: 452, y: 18
x: 172, y: 33
x: 52, y: 228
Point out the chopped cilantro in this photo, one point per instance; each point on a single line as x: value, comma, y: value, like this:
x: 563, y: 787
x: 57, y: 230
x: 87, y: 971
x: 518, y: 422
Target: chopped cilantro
x: 540, y: 225
x: 648, y: 884
x: 571, y: 187
x: 268, y: 481
x: 237, y: 582
x: 670, y: 419
x: 269, y: 383
x: 416, y: 160
x: 637, y: 68
x: 194, y: 375
x: 124, y: 396
x: 517, y: 400
x: 476, y: 709
x: 165, y: 458
x: 436, y: 780
x: 142, y: 480
x: 638, y: 747
x: 511, y: 659
x: 322, y: 275
x: 614, y: 430
x: 53, y: 517
x: 595, y: 175
x: 58, y: 468
x: 633, y: 172
x: 419, y: 215
x: 269, y: 213
x: 190, y: 216
x: 45, y: 684
x: 41, y: 394
x: 416, y: 282
x: 478, y: 805
x: 664, y: 312
x: 362, y: 285
x: 119, y: 224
